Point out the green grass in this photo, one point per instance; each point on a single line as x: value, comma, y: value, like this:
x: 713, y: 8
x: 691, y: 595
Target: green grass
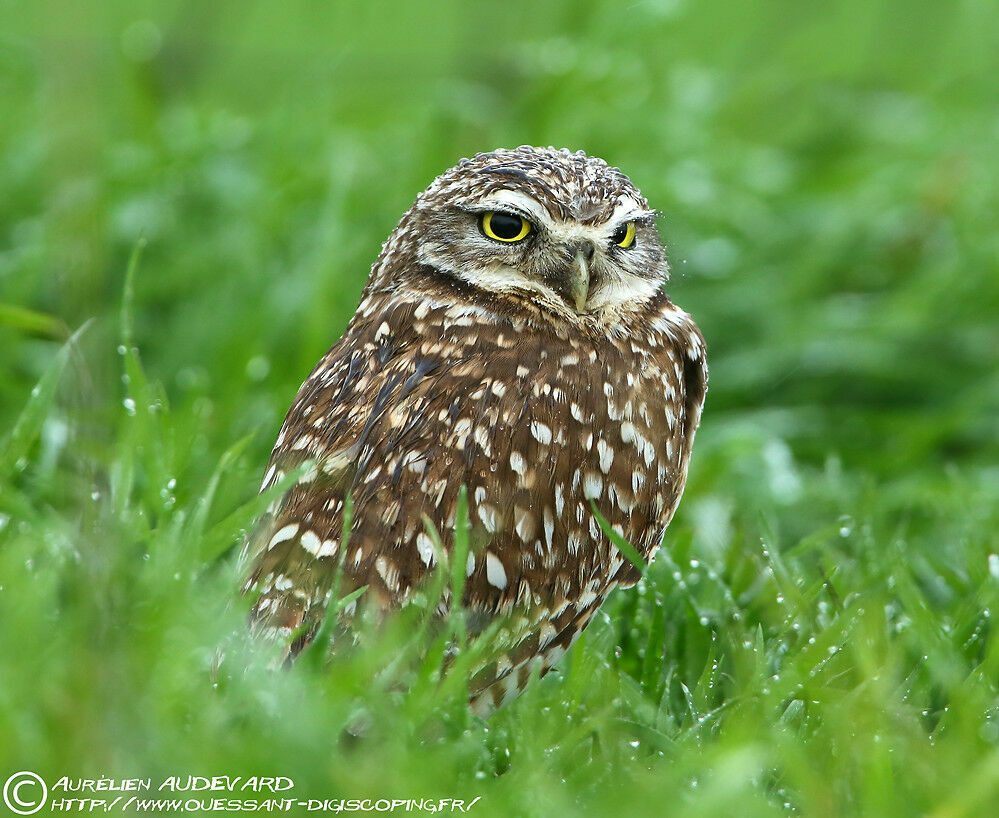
x: 816, y: 636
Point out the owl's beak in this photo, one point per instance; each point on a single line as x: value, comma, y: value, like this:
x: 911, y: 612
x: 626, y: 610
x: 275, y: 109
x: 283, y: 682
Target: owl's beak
x: 579, y: 277
x: 572, y: 281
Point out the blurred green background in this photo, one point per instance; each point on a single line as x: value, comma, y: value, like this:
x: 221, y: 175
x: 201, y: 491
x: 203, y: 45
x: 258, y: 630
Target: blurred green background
x: 828, y: 176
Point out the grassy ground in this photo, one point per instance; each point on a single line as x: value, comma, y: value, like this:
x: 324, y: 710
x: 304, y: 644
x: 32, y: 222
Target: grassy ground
x: 815, y: 637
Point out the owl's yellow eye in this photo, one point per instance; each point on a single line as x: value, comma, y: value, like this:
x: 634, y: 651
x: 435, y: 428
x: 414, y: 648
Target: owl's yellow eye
x: 505, y: 226
x: 624, y: 236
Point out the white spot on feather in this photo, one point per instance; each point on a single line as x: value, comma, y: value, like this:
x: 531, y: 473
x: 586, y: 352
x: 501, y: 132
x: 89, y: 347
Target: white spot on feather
x: 388, y: 572
x: 495, y: 572
x: 481, y: 435
x: 310, y: 542
x: 574, y: 543
x: 285, y: 533
x: 488, y: 516
x: 541, y: 432
x: 426, y: 548
x: 523, y: 523
x: 606, y: 455
x: 592, y: 485
x: 650, y: 453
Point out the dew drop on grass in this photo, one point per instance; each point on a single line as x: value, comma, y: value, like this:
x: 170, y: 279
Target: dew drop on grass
x: 635, y: 743
x: 704, y: 621
x: 121, y: 349
x: 846, y: 524
x: 129, y: 405
x: 994, y: 565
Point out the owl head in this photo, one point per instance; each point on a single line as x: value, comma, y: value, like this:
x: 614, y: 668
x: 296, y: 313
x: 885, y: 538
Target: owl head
x: 562, y: 230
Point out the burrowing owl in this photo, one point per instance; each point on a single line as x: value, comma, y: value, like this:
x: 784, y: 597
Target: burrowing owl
x: 513, y: 338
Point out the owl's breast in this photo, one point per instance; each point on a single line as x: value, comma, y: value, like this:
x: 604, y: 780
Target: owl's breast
x: 543, y: 430
x: 540, y: 428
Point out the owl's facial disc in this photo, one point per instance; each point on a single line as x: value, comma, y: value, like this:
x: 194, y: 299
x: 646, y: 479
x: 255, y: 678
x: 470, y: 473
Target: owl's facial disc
x: 570, y: 265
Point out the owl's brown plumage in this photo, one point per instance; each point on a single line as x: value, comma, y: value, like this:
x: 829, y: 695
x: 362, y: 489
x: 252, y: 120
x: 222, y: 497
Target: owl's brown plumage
x: 541, y: 373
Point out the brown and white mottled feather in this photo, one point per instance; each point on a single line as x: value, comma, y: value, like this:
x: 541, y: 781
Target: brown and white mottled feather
x: 465, y: 368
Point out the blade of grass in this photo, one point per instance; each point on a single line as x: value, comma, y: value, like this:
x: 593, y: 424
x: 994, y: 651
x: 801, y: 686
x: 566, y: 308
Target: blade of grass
x: 33, y: 322
x: 29, y: 423
x: 622, y: 545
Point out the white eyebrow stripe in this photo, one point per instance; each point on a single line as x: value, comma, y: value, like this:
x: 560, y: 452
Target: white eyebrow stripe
x: 628, y: 210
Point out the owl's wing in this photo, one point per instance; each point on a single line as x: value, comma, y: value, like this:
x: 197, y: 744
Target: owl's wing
x: 692, y: 371
x: 280, y: 550
x: 388, y: 418
x: 670, y: 397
